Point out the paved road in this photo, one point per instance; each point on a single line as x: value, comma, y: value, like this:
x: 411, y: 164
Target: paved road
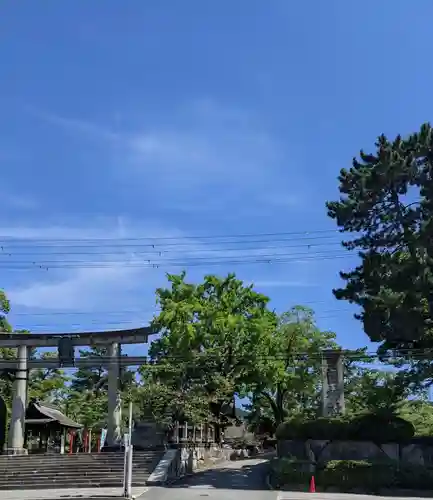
x: 233, y: 481
x: 66, y: 493
x: 241, y: 480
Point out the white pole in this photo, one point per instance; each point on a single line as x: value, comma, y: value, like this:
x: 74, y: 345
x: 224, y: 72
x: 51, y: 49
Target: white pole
x: 129, y: 482
x: 125, y: 469
x: 130, y: 422
x: 127, y: 476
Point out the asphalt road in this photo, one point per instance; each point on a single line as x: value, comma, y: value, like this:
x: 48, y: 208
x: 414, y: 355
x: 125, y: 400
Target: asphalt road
x: 239, y: 480
x: 232, y: 481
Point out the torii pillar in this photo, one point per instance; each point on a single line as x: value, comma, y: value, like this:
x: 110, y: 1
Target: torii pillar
x: 15, y: 444
x: 21, y: 366
x: 114, y: 402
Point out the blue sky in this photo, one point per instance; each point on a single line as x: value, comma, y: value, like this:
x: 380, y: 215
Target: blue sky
x: 142, y: 119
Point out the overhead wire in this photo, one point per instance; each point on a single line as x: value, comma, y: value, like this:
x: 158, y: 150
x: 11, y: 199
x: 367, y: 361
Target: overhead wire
x: 173, y: 251
x: 264, y: 259
x: 351, y: 355
x: 170, y: 238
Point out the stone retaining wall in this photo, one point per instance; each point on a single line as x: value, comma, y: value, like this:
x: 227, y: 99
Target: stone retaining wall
x: 177, y: 462
x: 321, y: 451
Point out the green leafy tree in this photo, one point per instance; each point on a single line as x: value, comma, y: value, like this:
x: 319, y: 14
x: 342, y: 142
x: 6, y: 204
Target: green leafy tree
x: 213, y: 335
x: 386, y: 203
x: 6, y: 353
x: 288, y: 379
x: 370, y: 390
x: 86, y: 407
x: 5, y: 327
x: 420, y: 414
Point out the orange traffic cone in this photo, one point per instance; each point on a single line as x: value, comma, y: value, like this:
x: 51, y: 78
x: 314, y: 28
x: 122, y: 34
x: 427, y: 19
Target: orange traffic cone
x: 312, y: 485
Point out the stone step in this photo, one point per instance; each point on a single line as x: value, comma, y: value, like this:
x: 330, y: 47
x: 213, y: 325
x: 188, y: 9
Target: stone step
x: 74, y: 471
x: 64, y: 485
x: 78, y: 463
x: 81, y: 467
x: 73, y: 475
x: 75, y: 456
x: 66, y: 470
x: 71, y: 463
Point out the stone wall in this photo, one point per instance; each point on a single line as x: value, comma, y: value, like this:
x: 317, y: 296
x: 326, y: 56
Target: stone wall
x: 320, y: 452
x: 177, y: 462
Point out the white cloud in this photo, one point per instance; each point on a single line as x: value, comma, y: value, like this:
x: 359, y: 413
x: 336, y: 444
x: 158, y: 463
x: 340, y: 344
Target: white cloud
x: 97, y: 280
x: 210, y: 148
x: 80, y: 126
x: 197, y: 150
x: 82, y: 289
x: 114, y: 267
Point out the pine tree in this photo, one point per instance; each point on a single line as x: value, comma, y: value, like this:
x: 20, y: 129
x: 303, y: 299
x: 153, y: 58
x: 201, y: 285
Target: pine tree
x: 386, y: 204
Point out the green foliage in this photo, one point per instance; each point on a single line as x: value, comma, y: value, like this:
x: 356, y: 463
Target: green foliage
x: 371, y: 427
x: 213, y: 339
x: 420, y: 415
x: 386, y: 203
x: 351, y: 475
x: 48, y: 385
x: 290, y: 472
x: 320, y: 428
x: 369, y: 390
x: 288, y: 379
x: 92, y: 379
x: 4, y: 310
x: 381, y: 428
x: 86, y: 407
x: 358, y: 474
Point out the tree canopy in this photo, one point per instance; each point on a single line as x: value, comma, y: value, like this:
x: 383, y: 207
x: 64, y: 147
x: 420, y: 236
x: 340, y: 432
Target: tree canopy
x: 220, y: 342
x: 386, y: 204
x: 214, y: 336
x: 289, y: 378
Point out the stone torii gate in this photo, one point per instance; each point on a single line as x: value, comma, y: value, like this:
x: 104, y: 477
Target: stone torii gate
x: 21, y: 366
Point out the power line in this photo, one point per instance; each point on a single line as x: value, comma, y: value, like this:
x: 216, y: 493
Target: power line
x: 130, y: 311
x: 192, y: 262
x: 158, y: 249
x: 229, y: 253
x: 25, y: 240
x: 350, y: 355
x: 120, y: 324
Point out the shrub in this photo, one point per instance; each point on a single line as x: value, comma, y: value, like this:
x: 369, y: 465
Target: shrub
x: 415, y: 477
x: 347, y: 475
x: 287, y: 471
x: 321, y: 428
x: 381, y: 428
x: 372, y: 427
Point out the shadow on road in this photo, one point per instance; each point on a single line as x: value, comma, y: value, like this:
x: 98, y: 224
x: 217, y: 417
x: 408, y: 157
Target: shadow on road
x: 246, y: 477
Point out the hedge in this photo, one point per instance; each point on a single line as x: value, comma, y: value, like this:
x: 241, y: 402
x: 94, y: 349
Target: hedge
x: 290, y: 471
x: 376, y: 428
x: 349, y: 475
